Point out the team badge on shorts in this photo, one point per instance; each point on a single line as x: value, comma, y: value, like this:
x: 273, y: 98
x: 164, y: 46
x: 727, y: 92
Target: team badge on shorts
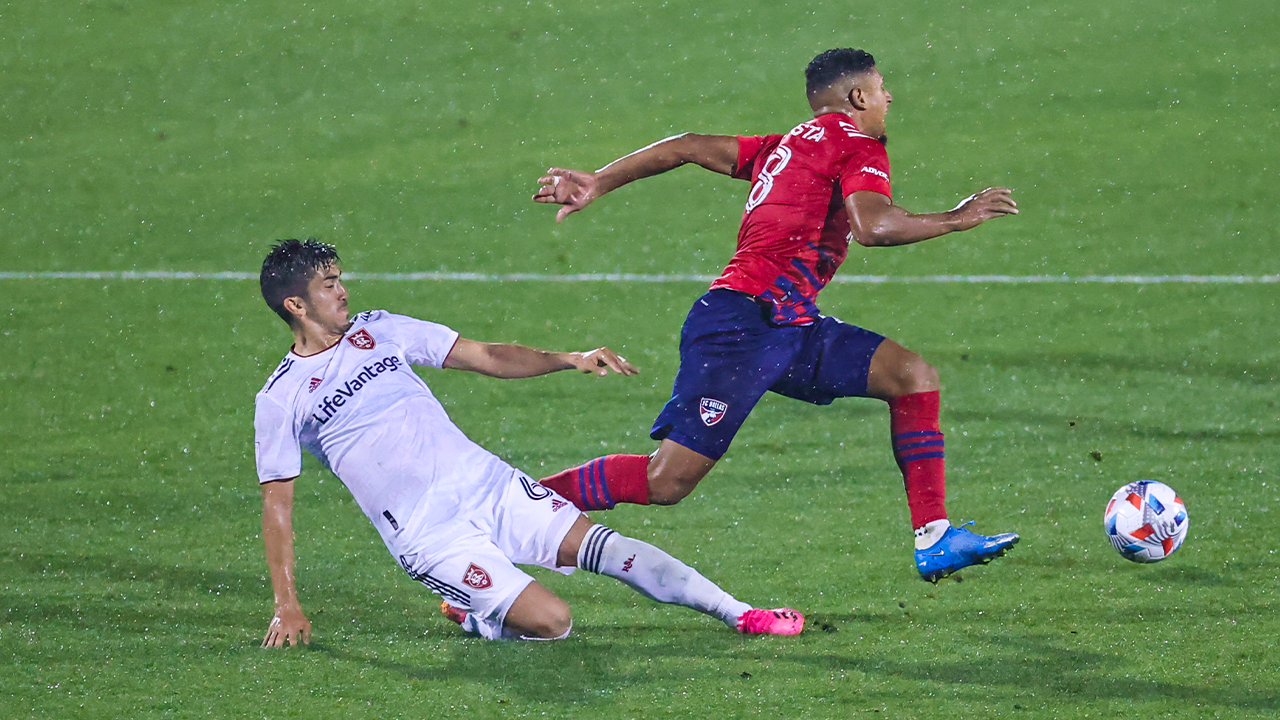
x: 476, y: 577
x: 362, y: 340
x: 711, y: 411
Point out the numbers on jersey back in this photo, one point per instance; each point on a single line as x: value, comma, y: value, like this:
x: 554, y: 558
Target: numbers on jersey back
x: 772, y: 166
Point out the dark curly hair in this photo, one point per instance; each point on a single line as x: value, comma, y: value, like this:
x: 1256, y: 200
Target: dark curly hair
x: 289, y: 267
x: 831, y: 65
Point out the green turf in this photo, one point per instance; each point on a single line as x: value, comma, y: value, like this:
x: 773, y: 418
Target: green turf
x: 185, y: 136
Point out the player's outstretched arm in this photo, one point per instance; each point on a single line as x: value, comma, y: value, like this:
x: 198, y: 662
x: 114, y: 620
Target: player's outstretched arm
x: 875, y: 221
x: 289, y: 625
x: 575, y: 189
x: 517, y: 361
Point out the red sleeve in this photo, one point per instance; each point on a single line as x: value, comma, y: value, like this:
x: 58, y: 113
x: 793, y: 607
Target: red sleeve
x: 749, y: 147
x: 866, y: 167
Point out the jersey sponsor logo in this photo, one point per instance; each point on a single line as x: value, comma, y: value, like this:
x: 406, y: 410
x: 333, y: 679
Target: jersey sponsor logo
x: 873, y: 171
x: 809, y: 131
x: 711, y: 411
x: 476, y: 577
x: 535, y: 491
x: 362, y: 340
x: 329, y: 405
x: 315, y: 383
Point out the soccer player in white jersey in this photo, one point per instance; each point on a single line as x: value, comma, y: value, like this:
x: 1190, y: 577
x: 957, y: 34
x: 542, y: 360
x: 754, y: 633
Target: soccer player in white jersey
x: 456, y: 517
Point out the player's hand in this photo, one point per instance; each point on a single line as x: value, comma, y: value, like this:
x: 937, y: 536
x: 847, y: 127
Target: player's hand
x: 573, y: 189
x: 600, y: 361
x: 288, y: 626
x: 981, y: 207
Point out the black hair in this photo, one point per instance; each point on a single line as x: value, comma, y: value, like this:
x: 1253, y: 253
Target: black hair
x: 289, y: 267
x: 831, y: 65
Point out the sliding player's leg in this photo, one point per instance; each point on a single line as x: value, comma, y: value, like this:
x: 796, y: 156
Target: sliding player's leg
x: 660, y: 577
x: 538, y: 614
x: 729, y: 356
x: 532, y: 525
x: 482, y: 588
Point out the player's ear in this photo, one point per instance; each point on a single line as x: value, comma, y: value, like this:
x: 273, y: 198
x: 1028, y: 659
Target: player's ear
x: 857, y: 98
x: 296, y: 306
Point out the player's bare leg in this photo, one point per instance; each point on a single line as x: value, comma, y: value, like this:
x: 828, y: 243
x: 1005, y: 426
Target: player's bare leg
x: 674, y: 471
x: 910, y: 386
x: 896, y: 371
x: 538, y: 614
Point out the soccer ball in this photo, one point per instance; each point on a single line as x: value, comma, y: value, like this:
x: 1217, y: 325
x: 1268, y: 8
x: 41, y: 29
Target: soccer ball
x: 1145, y: 521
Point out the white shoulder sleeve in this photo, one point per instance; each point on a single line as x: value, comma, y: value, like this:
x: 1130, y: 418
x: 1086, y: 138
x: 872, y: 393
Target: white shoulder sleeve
x: 424, y: 343
x: 276, y: 450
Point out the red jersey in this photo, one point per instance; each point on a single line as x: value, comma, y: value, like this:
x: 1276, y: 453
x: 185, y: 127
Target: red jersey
x: 795, y: 231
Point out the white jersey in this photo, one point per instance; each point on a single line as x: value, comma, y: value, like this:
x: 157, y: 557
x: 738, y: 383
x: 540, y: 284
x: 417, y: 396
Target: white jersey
x: 363, y: 412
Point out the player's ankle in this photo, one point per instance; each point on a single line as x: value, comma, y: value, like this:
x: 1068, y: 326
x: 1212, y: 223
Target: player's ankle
x: 931, y: 532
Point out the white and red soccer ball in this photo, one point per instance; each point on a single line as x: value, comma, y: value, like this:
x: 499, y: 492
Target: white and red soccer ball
x: 1145, y: 521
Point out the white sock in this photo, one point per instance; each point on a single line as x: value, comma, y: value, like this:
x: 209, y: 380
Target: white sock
x: 655, y: 574
x: 930, y: 533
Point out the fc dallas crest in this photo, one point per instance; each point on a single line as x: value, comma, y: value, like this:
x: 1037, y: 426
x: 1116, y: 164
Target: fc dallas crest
x: 711, y: 411
x: 476, y: 577
x: 315, y: 383
x: 362, y: 340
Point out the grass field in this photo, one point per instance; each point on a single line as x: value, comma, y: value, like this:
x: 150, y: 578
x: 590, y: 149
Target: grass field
x: 185, y: 136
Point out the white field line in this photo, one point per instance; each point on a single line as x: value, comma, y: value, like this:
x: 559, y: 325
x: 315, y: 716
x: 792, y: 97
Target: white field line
x: 640, y: 278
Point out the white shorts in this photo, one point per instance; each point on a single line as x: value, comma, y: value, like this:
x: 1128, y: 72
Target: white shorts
x: 474, y: 568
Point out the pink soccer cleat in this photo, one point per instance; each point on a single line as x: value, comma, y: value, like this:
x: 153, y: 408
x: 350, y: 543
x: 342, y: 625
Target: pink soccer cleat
x: 457, y: 615
x: 782, y: 621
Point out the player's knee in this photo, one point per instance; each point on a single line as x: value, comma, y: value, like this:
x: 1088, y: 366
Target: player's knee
x: 552, y: 622
x: 920, y: 376
x: 913, y: 375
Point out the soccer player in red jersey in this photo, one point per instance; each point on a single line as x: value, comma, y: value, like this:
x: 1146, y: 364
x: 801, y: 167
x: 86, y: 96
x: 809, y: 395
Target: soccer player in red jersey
x: 758, y: 329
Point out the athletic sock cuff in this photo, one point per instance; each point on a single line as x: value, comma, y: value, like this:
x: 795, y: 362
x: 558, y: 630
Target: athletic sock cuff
x: 591, y: 552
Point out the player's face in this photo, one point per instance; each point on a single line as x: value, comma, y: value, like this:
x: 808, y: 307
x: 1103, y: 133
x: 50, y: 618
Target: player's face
x: 876, y: 100
x: 326, y: 300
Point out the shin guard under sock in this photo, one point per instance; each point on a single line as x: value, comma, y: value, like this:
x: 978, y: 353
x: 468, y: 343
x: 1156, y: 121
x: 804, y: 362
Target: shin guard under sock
x: 919, y: 449
x: 655, y: 574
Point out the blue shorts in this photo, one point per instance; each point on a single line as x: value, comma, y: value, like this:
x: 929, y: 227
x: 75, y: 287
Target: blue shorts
x: 730, y: 354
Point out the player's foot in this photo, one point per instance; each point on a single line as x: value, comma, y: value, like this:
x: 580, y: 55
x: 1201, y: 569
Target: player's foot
x: 457, y: 615
x: 782, y: 621
x: 959, y: 548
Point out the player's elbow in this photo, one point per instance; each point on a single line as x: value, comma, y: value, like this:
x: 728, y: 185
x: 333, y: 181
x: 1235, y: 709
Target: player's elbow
x: 873, y: 235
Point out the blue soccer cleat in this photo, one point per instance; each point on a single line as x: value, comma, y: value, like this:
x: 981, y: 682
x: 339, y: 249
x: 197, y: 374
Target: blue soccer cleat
x: 958, y: 549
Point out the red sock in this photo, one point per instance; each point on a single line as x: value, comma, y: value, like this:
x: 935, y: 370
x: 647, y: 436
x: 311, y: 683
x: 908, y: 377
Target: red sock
x: 604, y: 482
x: 918, y: 448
